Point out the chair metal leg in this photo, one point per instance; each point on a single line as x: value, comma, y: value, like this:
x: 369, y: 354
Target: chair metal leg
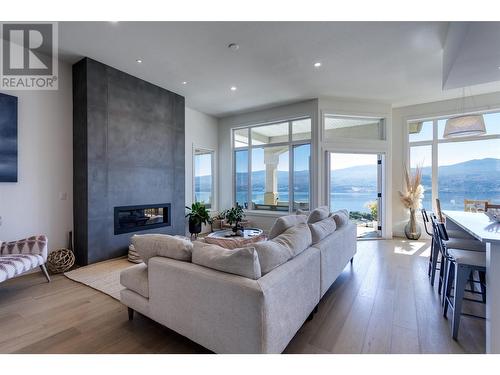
x: 461, y: 276
x: 442, y: 274
x: 431, y: 257
x: 449, y: 277
x: 471, y: 279
x: 45, y: 273
x: 352, y: 260
x: 434, y: 256
x: 482, y: 280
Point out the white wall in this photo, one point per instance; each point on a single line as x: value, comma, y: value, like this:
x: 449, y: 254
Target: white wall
x: 400, y: 117
x: 201, y: 131
x: 45, y: 157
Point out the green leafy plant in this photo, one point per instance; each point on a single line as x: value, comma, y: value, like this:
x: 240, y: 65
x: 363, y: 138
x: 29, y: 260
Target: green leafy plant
x: 357, y: 215
x: 373, y: 207
x: 219, y: 215
x: 235, y: 215
x: 198, y: 214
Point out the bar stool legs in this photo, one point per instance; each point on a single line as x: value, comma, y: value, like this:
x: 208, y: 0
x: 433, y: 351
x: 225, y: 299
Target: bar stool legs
x: 456, y: 279
x: 461, y: 277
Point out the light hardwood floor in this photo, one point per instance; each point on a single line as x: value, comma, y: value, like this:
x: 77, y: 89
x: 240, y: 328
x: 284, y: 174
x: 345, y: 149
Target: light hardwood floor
x: 383, y: 303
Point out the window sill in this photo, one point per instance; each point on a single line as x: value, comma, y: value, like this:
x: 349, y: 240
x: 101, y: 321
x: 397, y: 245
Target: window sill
x: 266, y: 213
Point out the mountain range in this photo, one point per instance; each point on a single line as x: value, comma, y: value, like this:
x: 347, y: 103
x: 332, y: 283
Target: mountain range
x: 479, y: 175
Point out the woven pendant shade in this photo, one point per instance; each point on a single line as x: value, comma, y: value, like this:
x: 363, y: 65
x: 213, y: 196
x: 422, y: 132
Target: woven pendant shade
x: 462, y: 126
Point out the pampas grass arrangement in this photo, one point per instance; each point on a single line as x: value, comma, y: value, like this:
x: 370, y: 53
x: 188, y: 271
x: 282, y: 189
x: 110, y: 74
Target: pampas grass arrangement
x: 411, y: 198
x: 414, y: 191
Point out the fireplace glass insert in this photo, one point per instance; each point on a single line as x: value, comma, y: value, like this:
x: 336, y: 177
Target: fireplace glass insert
x: 138, y: 218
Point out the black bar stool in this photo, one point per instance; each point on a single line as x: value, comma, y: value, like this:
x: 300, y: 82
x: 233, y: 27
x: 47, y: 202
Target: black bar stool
x: 434, y: 257
x: 459, y: 265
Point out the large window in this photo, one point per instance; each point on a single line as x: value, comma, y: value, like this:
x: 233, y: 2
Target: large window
x: 456, y: 170
x: 272, y: 166
x: 203, y: 163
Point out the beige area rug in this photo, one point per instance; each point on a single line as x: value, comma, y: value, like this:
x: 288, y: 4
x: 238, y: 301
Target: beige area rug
x: 103, y: 276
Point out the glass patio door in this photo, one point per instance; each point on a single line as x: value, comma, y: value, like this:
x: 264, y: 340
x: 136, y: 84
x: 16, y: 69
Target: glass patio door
x: 355, y: 184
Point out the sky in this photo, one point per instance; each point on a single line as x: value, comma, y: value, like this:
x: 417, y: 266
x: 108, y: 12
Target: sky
x: 203, y: 165
x: 341, y: 160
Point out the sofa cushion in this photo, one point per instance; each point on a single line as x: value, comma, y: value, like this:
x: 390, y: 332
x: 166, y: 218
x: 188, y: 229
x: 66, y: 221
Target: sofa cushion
x: 280, y: 249
x: 136, y: 278
x: 271, y: 255
x: 318, y: 214
x: 163, y: 245
x: 284, y: 222
x: 243, y: 261
x: 341, y: 217
x: 322, y: 229
x: 296, y: 239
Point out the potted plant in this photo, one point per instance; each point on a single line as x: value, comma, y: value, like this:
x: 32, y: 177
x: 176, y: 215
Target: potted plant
x: 217, y: 220
x: 373, y: 207
x: 234, y: 216
x: 412, y: 200
x: 198, y: 215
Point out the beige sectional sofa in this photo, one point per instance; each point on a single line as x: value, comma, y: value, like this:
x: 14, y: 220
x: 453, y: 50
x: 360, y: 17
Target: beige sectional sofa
x: 230, y: 313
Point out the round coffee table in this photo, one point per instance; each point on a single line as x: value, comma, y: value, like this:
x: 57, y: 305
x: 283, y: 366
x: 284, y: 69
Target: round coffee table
x: 227, y: 239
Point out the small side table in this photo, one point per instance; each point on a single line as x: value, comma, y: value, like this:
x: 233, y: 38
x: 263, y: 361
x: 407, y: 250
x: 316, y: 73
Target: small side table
x: 227, y: 239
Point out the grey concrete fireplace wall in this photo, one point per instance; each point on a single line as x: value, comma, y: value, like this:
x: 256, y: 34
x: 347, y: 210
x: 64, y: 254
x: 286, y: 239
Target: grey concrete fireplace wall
x: 128, y: 140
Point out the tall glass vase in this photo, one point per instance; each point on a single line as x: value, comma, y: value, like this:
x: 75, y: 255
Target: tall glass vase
x: 412, y: 229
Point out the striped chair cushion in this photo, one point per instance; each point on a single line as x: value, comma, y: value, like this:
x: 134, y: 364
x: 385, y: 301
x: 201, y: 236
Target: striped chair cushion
x: 35, y: 245
x: 13, y: 265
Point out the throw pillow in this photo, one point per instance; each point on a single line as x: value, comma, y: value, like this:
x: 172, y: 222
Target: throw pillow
x: 341, y: 217
x: 318, y: 214
x: 163, y: 245
x: 282, y: 248
x: 296, y: 239
x: 271, y: 255
x: 243, y: 262
x: 322, y: 229
x: 284, y: 222
x: 302, y: 212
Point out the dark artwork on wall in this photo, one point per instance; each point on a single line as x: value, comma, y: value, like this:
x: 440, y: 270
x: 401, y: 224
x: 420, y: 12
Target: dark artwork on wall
x: 8, y: 138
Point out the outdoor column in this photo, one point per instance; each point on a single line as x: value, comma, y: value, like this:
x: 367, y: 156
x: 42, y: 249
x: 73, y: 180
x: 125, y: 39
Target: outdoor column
x: 271, y: 159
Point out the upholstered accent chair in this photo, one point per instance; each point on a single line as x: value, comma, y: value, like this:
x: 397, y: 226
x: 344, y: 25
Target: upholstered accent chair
x: 20, y: 256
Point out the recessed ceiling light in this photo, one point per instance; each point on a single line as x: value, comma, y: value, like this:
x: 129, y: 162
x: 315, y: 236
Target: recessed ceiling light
x: 233, y: 46
x: 234, y: 88
x: 184, y: 83
x: 317, y: 64
x: 138, y: 61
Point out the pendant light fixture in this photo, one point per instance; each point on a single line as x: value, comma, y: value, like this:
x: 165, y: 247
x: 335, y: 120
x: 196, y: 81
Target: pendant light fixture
x: 464, y: 125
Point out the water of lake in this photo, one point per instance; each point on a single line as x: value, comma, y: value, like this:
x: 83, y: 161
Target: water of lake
x: 358, y: 201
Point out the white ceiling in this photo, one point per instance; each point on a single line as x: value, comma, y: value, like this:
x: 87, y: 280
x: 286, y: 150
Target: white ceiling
x: 393, y: 62
x: 472, y: 54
